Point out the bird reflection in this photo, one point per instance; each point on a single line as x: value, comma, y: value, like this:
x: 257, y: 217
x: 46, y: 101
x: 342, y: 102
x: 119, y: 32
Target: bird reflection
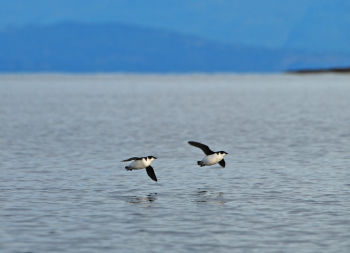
x: 211, y: 197
x: 148, y: 199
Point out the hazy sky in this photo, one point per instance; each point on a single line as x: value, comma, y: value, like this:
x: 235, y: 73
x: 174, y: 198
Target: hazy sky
x: 268, y: 23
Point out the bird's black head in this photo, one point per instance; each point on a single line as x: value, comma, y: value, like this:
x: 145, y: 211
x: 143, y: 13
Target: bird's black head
x: 223, y: 152
x: 151, y: 156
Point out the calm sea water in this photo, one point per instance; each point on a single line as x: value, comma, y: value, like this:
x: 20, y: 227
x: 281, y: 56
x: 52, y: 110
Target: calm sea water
x: 285, y: 188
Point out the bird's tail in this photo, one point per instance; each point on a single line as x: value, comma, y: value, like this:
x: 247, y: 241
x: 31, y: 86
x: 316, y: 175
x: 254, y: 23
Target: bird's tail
x: 200, y: 163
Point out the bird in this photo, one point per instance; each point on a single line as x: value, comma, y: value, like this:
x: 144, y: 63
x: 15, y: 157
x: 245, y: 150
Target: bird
x: 142, y: 163
x: 211, y: 157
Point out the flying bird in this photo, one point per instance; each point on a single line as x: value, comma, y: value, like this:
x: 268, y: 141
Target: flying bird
x: 211, y: 157
x: 142, y: 163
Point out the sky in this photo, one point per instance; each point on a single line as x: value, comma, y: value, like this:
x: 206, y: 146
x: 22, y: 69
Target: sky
x: 310, y: 25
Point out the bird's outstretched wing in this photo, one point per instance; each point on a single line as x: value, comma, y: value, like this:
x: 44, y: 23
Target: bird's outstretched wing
x: 222, y: 163
x: 203, y: 147
x: 131, y: 159
x: 151, y: 174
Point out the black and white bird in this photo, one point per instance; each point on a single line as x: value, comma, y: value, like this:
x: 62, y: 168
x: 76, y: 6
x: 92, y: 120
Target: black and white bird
x: 211, y: 157
x: 142, y: 163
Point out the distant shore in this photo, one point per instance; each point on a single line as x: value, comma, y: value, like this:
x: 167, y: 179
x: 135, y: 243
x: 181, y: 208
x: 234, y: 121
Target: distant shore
x: 316, y: 71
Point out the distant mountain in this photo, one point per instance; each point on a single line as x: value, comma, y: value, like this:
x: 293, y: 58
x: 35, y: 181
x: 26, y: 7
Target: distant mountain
x: 77, y: 47
x: 308, y: 25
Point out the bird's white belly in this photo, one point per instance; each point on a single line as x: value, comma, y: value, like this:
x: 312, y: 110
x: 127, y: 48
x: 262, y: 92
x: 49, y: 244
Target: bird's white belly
x: 140, y: 164
x: 212, y: 159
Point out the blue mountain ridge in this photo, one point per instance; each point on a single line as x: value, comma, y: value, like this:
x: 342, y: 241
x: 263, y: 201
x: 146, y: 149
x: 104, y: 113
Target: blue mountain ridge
x: 112, y: 47
x: 308, y: 25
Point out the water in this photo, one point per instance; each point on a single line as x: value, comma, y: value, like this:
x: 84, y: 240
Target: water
x: 285, y: 188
